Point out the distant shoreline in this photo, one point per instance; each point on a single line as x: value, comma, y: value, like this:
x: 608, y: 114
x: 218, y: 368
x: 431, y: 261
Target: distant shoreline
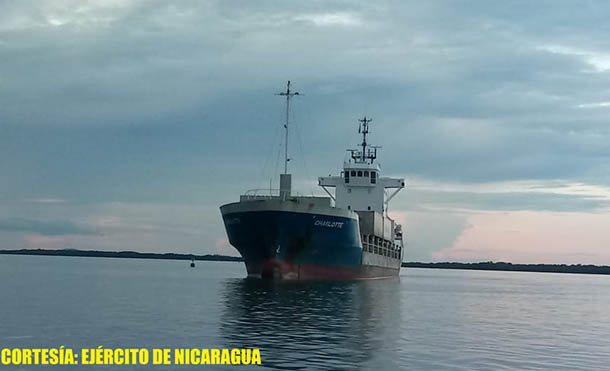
x: 510, y: 267
x: 121, y: 254
x: 482, y: 266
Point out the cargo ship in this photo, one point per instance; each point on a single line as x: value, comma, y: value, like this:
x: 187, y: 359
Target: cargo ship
x: 347, y: 235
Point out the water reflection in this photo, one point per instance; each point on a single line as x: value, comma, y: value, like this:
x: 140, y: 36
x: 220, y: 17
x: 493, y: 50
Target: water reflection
x: 317, y: 325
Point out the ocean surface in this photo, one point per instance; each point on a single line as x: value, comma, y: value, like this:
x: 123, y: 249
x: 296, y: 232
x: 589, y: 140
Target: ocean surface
x: 426, y: 319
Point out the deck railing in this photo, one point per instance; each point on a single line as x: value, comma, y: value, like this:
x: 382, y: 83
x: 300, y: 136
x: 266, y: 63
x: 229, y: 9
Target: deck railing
x: 261, y: 193
x: 379, y: 246
x: 265, y: 194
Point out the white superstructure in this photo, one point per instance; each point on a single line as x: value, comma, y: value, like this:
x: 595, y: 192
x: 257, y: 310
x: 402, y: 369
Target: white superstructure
x: 360, y: 187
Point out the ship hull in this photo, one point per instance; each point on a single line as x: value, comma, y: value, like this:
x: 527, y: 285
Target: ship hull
x: 278, y: 269
x: 299, y: 241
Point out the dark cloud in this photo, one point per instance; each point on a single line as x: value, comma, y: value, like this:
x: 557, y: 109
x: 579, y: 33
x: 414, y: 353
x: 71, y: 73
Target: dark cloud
x: 415, y: 67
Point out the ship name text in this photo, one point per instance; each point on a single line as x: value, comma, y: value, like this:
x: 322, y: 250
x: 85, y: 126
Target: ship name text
x: 328, y: 224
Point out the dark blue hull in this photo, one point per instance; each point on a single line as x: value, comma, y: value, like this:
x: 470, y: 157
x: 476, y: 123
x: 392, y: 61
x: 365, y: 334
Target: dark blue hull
x: 299, y: 245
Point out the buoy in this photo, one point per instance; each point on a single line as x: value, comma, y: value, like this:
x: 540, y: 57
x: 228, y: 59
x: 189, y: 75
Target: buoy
x: 192, y: 263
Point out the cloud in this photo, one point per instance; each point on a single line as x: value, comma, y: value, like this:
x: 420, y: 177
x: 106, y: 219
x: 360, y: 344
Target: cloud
x: 331, y: 19
x: 532, y: 195
x: 426, y: 232
x: 48, y: 200
x: 134, y: 107
x: 45, y: 228
x: 594, y: 105
x: 532, y: 237
x: 599, y: 61
x: 37, y: 241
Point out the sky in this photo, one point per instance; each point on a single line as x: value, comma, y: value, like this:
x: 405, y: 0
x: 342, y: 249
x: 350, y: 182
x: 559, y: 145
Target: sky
x: 124, y: 125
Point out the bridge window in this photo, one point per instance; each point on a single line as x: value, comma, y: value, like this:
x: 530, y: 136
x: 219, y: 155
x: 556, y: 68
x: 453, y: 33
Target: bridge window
x: 359, y: 173
x: 347, y: 177
x: 373, y: 177
x: 353, y: 173
x: 366, y: 174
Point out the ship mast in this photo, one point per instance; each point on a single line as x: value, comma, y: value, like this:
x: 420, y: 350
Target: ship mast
x: 364, y: 155
x: 364, y: 129
x: 288, y: 94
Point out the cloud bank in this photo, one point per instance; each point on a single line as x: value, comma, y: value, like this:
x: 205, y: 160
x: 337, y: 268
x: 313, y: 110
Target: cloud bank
x: 166, y: 108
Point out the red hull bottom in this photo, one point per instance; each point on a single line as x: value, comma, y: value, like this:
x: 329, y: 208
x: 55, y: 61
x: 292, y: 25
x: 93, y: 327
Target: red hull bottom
x: 281, y: 270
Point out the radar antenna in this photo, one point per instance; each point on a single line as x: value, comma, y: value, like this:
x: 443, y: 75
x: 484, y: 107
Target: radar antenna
x: 364, y: 155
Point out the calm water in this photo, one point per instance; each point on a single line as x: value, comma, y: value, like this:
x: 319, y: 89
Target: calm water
x: 424, y: 320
